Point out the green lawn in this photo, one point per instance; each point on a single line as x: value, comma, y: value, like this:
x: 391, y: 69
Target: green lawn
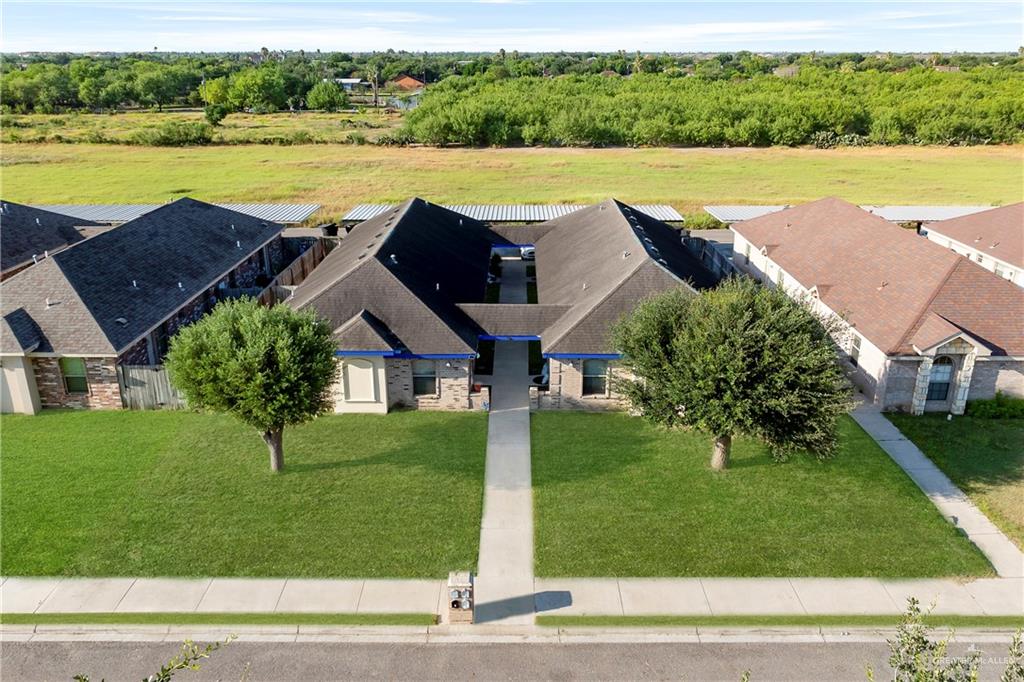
x: 183, y: 494
x: 615, y: 496
x: 339, y: 176
x: 984, y: 457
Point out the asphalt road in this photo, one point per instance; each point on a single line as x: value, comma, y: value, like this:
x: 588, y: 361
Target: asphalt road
x: 253, y: 661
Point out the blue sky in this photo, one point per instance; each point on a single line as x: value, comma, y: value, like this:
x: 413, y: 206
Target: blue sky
x: 526, y: 25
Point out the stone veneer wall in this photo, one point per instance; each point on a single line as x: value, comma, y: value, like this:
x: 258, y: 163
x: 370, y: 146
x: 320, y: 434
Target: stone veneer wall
x: 992, y: 375
x: 565, y: 388
x: 104, y: 389
x: 453, y: 384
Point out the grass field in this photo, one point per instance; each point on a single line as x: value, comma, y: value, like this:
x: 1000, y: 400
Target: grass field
x: 615, y: 496
x: 184, y: 494
x: 235, y: 129
x: 984, y: 457
x: 340, y: 176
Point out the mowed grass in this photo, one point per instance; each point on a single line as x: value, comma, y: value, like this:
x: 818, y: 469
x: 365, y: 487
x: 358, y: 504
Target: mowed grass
x: 615, y: 496
x: 184, y: 494
x: 984, y: 457
x: 340, y: 176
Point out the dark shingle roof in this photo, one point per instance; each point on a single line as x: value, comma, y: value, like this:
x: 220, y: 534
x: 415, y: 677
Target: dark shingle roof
x: 26, y: 231
x: 601, y: 261
x: 366, y: 332
x: 83, y: 299
x: 408, y: 267
x: 887, y: 281
x: 18, y: 333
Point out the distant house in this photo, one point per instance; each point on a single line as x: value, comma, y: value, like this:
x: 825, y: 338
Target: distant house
x: 29, y: 234
x: 351, y: 84
x: 786, y: 70
x: 71, y: 321
x: 993, y: 239
x: 946, y: 68
x: 925, y: 329
x: 407, y: 82
x: 404, y: 292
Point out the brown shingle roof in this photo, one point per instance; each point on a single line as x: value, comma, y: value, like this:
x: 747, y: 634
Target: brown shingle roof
x: 886, y: 280
x: 998, y: 233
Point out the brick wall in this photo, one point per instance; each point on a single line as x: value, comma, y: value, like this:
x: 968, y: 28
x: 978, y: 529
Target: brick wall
x: 454, y: 386
x: 900, y: 379
x: 565, y: 388
x: 138, y: 354
x: 991, y: 375
x: 104, y: 390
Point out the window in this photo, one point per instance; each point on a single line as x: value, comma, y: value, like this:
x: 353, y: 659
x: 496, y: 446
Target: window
x: 979, y: 258
x: 999, y: 272
x: 941, y: 376
x: 73, y: 370
x: 746, y: 253
x: 595, y: 377
x: 424, y: 377
x: 855, y: 350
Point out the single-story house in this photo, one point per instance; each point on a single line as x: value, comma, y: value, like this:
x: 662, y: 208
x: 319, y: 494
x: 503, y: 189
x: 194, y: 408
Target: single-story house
x: 29, y: 234
x: 993, y: 239
x: 71, y: 321
x: 925, y: 329
x: 351, y: 84
x: 404, y: 292
x: 407, y: 82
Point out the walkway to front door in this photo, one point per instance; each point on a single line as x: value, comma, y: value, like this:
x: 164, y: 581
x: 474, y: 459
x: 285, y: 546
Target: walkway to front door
x: 504, y: 586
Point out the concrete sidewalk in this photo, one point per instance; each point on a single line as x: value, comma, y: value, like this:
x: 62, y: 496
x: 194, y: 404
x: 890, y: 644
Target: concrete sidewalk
x: 953, y: 504
x: 504, y: 584
x: 775, y: 596
x: 219, y: 595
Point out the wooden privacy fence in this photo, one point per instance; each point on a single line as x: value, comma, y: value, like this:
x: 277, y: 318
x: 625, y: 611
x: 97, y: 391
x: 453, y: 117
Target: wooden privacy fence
x: 293, y: 275
x: 146, y: 387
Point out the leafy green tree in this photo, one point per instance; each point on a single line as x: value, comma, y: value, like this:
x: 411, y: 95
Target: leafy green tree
x: 157, y: 84
x: 215, y: 91
x: 260, y: 89
x: 215, y: 113
x: 269, y: 367
x: 738, y: 359
x: 327, y: 96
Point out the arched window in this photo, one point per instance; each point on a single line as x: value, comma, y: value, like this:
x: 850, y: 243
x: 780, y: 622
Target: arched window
x: 941, y: 376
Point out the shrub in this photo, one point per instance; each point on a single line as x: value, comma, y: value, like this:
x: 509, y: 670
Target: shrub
x: 356, y: 138
x: 1000, y: 407
x: 327, y: 96
x: 174, y: 134
x: 215, y: 113
x: 703, y: 221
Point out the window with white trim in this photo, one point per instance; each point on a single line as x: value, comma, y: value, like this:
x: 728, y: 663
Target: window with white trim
x: 595, y: 377
x: 424, y: 377
x: 855, y: 350
x: 940, y: 379
x: 75, y: 378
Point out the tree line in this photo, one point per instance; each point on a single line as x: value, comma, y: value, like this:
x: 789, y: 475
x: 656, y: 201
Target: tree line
x: 815, y: 106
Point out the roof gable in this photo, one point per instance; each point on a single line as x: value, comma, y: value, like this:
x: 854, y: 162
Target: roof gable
x: 26, y: 232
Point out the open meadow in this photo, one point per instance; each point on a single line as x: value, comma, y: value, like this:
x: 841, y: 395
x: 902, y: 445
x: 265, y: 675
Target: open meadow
x: 340, y: 176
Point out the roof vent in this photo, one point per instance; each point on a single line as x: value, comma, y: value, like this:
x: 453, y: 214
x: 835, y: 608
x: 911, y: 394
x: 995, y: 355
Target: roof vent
x: 49, y: 303
x: 135, y: 285
x: 883, y: 285
x: 394, y: 259
x: 437, y: 286
x: 232, y: 226
x: 648, y: 240
x: 584, y: 286
x: 121, y: 321
x: 181, y: 287
x: 34, y: 259
x: 37, y: 222
x: 625, y: 254
x: 655, y: 250
x: 460, y: 221
x: 663, y: 261
x: 238, y: 244
x: 994, y: 245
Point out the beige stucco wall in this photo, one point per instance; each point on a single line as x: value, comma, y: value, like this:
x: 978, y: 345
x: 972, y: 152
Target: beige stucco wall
x: 565, y: 388
x: 18, y: 391
x: 1010, y: 272
x: 369, y: 368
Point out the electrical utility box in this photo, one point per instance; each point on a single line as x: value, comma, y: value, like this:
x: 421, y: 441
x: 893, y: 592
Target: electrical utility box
x: 461, y: 600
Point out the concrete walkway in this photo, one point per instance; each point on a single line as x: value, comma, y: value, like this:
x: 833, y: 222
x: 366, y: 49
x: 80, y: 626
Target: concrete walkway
x: 220, y: 595
x: 504, y: 584
x: 1005, y: 557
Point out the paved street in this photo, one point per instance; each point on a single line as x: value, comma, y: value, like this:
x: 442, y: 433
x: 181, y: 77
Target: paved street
x: 338, y: 661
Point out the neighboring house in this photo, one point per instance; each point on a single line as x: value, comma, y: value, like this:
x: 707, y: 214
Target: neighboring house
x: 407, y: 82
x: 71, y: 321
x: 29, y: 234
x: 351, y: 84
x: 993, y: 239
x: 927, y: 329
x: 404, y: 293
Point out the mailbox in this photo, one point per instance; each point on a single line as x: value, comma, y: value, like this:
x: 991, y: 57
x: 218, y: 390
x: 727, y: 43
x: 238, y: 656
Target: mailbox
x: 461, y: 600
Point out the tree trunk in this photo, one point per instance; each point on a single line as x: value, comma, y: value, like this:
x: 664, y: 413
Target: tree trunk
x: 273, y: 440
x: 720, y: 454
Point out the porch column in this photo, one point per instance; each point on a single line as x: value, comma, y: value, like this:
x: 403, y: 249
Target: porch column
x: 963, y: 383
x: 924, y: 373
